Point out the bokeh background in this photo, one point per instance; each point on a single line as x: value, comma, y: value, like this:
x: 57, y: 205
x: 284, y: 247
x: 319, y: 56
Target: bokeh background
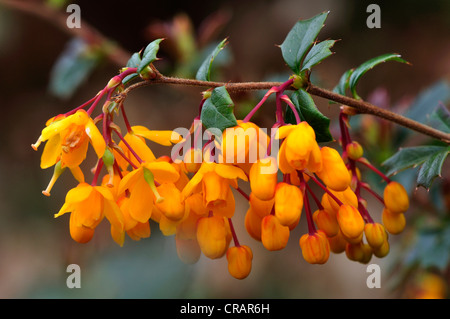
x: 35, y: 248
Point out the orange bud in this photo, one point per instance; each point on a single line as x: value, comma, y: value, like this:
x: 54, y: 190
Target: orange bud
x: 188, y: 250
x: 300, y: 143
x: 358, y: 252
x: 350, y: 221
x: 375, y: 234
x: 334, y: 173
x: 172, y: 206
x: 253, y: 224
x: 80, y: 233
x: 244, y: 143
x: 315, y: 248
x: 381, y: 251
x: 396, y: 198
x: 347, y: 197
x: 288, y: 203
x: 394, y: 223
x: 337, y: 243
x: 239, y: 261
x: 263, y: 178
x: 274, y: 236
x: 212, y: 236
x: 327, y: 222
x: 261, y: 207
x: 354, y: 150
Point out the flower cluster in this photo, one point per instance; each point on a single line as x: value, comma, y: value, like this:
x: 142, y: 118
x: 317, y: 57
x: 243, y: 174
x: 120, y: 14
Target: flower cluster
x: 191, y: 196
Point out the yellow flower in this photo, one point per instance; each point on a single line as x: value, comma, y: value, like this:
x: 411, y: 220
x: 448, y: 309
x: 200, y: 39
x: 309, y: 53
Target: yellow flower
x: 68, y: 140
x: 214, y: 181
x: 88, y: 206
x: 301, y: 150
x: 141, y: 185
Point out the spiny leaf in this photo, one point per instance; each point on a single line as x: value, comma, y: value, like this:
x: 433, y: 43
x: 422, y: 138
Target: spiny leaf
x: 217, y: 110
x: 318, y: 52
x: 149, y: 54
x: 431, y: 168
x: 204, y: 72
x: 366, y: 66
x: 300, y: 39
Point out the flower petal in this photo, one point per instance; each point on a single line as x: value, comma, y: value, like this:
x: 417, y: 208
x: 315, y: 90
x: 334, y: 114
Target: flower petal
x: 165, y: 137
x: 96, y: 138
x: 79, y: 193
x: 51, y: 152
x: 163, y: 172
x: 230, y: 171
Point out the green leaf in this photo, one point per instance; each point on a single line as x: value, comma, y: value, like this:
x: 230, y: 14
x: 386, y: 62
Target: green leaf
x: 366, y: 66
x: 72, y: 68
x: 217, y: 110
x: 318, y: 52
x: 430, y: 157
x: 300, y: 39
x: 441, y: 119
x: 149, y: 54
x: 308, y: 112
x: 431, y: 168
x: 342, y: 86
x: 134, y: 61
x: 204, y: 72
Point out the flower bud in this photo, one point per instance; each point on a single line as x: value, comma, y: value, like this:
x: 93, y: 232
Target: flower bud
x: 375, y: 234
x: 302, y: 150
x: 327, y: 222
x: 394, y: 223
x: 80, y: 233
x: 315, y: 247
x: 334, y: 173
x: 396, y: 198
x: 337, y: 243
x: 239, y: 261
x: 350, y: 221
x: 172, y: 206
x: 274, y: 236
x: 263, y: 178
x: 356, y: 252
x: 261, y: 207
x: 381, y: 251
x: 288, y: 203
x: 212, y: 236
x: 188, y: 250
x: 347, y: 197
x: 354, y: 150
x: 253, y: 224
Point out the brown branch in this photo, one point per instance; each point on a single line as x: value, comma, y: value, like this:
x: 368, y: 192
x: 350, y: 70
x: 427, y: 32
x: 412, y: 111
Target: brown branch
x: 359, y: 105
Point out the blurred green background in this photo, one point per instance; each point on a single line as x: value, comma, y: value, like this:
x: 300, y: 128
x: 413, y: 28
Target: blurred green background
x: 35, y: 248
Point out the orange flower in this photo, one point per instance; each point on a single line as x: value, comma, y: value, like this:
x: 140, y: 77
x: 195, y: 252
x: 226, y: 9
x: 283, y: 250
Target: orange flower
x: 141, y: 185
x: 288, y: 203
x: 326, y: 221
x: 350, y: 221
x: 239, y: 261
x: 263, y: 178
x: 393, y: 222
x: 301, y: 150
x: 68, y: 140
x: 396, y: 198
x: 88, y: 206
x: 375, y: 234
x: 334, y: 173
x: 213, y: 236
x: 274, y: 236
x: 315, y: 247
